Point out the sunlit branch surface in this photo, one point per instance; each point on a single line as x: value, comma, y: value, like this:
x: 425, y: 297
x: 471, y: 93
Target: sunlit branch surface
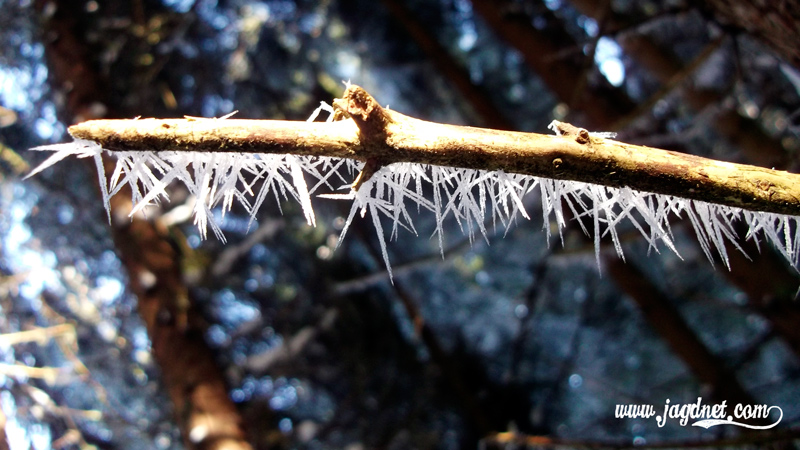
x: 472, y: 172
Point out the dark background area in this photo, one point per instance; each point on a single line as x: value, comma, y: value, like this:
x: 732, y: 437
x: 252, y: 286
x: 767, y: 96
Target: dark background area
x: 162, y: 339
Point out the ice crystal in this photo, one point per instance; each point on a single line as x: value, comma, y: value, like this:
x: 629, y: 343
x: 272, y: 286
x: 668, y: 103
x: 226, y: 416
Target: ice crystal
x: 475, y: 199
x: 214, y: 179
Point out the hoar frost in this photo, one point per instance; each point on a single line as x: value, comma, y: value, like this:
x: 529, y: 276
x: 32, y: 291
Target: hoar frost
x: 471, y: 197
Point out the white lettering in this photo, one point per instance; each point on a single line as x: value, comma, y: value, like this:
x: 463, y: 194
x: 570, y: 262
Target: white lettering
x: 634, y: 411
x: 751, y: 411
x: 705, y: 416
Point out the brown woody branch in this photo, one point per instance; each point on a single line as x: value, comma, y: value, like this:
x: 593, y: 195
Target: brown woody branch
x: 385, y: 136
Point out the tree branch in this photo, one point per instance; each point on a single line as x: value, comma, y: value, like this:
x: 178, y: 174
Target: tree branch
x: 388, y: 137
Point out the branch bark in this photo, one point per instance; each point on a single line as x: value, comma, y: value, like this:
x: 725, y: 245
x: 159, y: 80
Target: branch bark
x: 207, y: 417
x: 776, y: 23
x: 385, y: 136
x: 3, y: 437
x: 747, y: 134
x: 544, y: 49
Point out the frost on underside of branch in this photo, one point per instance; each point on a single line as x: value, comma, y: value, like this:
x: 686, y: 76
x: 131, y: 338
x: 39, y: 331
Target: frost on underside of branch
x: 472, y: 197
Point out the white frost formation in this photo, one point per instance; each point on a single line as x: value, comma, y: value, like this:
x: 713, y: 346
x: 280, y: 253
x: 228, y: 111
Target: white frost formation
x: 470, y: 196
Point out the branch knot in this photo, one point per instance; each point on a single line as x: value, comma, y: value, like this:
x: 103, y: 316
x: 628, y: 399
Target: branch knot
x: 365, y: 111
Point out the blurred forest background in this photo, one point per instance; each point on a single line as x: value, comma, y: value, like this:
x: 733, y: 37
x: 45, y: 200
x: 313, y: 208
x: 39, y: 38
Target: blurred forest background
x: 139, y: 335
